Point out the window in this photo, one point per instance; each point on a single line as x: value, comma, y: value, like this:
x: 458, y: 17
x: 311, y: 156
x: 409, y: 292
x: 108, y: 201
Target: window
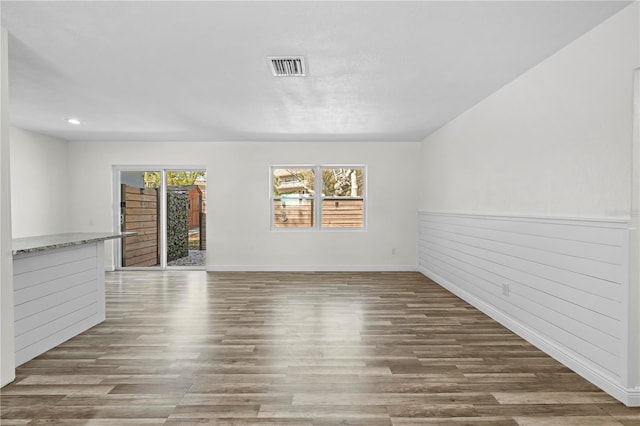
x: 297, y: 205
x: 293, y: 193
x: 342, y: 200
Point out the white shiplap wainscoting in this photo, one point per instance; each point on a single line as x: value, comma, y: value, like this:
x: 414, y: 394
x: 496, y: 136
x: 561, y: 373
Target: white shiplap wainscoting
x: 562, y: 284
x: 57, y: 295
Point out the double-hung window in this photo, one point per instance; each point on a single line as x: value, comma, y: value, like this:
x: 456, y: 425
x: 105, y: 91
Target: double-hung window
x: 318, y: 197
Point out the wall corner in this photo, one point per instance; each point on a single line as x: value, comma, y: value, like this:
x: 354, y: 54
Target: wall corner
x: 7, y: 339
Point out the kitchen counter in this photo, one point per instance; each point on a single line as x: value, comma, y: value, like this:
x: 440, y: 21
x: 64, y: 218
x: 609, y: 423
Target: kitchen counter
x: 54, y: 241
x: 58, y: 289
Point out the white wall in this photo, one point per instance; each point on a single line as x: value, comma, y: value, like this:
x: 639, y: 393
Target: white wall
x: 7, y: 344
x: 39, y: 184
x: 238, y: 204
x: 34, y: 202
x: 634, y: 299
x: 556, y: 141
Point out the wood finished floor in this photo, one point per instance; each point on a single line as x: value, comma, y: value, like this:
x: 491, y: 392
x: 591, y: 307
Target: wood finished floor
x: 371, y: 349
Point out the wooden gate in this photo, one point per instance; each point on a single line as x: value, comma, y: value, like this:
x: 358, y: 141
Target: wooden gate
x: 139, y: 213
x: 195, y: 207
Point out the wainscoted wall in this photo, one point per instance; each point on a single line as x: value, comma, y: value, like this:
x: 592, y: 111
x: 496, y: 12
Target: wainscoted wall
x: 563, y: 284
x: 57, y: 295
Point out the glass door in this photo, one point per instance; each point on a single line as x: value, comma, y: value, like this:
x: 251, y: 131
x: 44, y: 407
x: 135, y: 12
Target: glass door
x: 186, y: 218
x: 140, y: 202
x: 167, y: 211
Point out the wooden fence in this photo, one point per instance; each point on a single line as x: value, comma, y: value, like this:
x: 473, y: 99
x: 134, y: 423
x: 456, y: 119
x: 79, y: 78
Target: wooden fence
x: 203, y: 231
x: 336, y: 213
x: 140, y: 214
x: 292, y: 214
x: 341, y: 213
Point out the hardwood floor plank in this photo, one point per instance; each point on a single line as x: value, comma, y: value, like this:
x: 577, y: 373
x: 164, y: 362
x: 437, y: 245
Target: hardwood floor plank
x: 211, y: 411
x: 552, y: 397
x: 628, y: 420
x: 160, y: 387
x: 303, y: 349
x: 120, y: 399
x: 53, y: 389
x: 97, y: 422
x: 241, y: 422
x: 456, y: 421
x: 236, y: 399
x: 541, y: 410
x: 57, y: 379
x: 349, y: 412
x: 426, y: 410
x: 568, y: 421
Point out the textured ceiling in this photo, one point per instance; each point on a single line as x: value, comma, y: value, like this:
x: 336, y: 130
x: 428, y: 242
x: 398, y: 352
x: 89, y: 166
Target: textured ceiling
x: 198, y: 71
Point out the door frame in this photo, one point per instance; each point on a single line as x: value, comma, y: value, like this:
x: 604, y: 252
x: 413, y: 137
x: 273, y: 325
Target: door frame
x: 162, y: 244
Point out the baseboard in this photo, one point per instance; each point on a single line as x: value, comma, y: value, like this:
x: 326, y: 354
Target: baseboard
x: 312, y: 268
x: 633, y: 397
x: 297, y: 268
x: 628, y: 396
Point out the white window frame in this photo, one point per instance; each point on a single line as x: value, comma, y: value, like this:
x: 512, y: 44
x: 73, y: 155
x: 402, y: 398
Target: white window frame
x: 318, y: 198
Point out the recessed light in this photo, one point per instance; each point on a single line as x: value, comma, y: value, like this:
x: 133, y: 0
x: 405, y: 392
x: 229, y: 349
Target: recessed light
x: 73, y: 121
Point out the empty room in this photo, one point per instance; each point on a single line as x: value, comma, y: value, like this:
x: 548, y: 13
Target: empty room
x: 320, y: 213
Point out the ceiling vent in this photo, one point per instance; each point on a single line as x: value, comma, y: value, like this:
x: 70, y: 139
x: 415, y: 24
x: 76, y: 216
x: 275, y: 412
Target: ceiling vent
x: 287, y: 66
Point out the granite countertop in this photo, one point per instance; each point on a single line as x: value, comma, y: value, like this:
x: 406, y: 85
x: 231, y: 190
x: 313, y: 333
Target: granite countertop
x: 48, y: 242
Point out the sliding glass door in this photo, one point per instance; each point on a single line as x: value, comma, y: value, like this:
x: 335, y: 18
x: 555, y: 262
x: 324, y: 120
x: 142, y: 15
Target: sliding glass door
x: 166, y: 208
x: 186, y: 218
x: 140, y: 202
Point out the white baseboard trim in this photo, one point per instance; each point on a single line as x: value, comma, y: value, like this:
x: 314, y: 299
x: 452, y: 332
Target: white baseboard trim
x: 312, y: 268
x: 109, y: 268
x: 628, y: 396
x: 633, y: 397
